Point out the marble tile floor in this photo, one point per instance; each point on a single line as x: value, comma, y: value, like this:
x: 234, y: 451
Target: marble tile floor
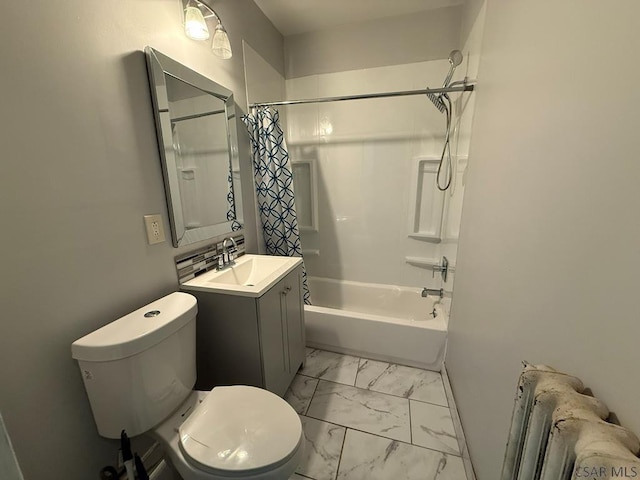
x: 371, y: 420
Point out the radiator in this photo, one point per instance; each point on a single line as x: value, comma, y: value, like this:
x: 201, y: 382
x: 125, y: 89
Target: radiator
x: 559, y: 433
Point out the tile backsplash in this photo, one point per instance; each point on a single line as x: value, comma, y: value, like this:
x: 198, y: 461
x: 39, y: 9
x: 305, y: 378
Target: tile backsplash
x: 192, y: 264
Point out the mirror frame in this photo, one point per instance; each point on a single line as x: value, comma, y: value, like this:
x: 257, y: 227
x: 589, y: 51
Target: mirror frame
x: 160, y: 65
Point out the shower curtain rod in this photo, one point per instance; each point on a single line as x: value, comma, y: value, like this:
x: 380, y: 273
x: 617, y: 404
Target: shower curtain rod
x: 462, y: 88
x: 195, y: 115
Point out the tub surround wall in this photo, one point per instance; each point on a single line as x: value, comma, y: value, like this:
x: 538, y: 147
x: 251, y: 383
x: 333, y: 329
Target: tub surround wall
x: 549, y: 264
x: 366, y: 154
x: 80, y: 169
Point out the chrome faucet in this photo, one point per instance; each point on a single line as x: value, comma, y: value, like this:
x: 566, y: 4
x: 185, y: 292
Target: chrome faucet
x: 227, y: 258
x: 433, y: 291
x: 443, y: 268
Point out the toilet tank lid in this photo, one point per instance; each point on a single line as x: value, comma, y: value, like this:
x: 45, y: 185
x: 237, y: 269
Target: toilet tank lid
x: 138, y: 330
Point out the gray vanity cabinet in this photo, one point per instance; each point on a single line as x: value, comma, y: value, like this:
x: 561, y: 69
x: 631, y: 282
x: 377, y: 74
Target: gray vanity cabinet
x: 251, y: 341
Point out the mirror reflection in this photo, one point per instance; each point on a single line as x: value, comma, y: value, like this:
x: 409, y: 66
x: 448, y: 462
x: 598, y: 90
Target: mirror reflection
x: 195, y: 119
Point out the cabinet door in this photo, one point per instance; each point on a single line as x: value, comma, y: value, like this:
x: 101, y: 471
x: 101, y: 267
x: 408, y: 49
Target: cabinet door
x: 227, y: 341
x: 273, y: 339
x: 295, y: 320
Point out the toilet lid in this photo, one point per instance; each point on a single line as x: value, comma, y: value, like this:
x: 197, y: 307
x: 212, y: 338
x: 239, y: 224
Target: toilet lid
x: 240, y: 428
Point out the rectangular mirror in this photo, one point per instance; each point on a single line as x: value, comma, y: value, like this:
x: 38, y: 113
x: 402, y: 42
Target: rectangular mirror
x: 197, y: 138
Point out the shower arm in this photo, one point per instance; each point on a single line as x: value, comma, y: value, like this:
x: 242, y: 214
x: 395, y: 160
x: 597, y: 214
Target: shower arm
x: 464, y: 81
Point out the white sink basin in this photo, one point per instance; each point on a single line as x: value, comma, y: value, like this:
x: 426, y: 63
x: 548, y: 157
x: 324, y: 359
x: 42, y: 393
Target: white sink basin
x: 251, y: 276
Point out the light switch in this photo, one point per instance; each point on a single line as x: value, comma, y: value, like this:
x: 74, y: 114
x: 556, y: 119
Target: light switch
x: 155, y: 229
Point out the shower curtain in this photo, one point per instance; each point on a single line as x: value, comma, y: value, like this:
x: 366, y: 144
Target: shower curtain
x: 274, y: 187
x: 231, y: 203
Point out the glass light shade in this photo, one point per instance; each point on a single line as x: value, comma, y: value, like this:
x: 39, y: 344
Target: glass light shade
x: 221, y: 45
x: 195, y: 26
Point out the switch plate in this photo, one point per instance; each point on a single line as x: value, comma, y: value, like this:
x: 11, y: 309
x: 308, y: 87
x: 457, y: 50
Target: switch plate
x: 155, y: 229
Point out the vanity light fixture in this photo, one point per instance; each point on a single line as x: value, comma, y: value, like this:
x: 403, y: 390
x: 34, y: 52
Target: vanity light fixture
x: 195, y: 27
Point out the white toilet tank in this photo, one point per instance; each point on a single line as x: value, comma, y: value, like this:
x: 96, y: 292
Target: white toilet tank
x: 140, y: 368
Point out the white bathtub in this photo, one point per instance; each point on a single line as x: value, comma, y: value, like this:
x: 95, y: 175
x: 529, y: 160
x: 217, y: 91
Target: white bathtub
x: 382, y: 322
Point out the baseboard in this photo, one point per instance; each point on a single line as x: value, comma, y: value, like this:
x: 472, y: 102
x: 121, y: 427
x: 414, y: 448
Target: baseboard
x: 457, y: 425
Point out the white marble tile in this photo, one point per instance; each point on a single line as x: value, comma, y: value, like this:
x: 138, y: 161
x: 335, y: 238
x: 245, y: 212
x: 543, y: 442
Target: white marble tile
x: 322, y: 449
x: 331, y: 366
x: 432, y: 427
x: 299, y: 393
x: 369, y: 457
x: 407, y: 382
x: 362, y: 409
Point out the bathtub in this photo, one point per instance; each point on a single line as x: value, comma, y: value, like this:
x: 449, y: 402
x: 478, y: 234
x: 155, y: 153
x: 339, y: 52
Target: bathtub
x: 381, y: 322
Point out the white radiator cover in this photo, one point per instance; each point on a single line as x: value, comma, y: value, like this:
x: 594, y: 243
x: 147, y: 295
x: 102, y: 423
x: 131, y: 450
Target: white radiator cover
x: 559, y: 433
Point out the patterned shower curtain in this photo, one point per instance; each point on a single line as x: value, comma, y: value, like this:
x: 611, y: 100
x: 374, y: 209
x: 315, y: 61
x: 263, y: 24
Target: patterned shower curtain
x: 274, y: 187
x: 231, y: 203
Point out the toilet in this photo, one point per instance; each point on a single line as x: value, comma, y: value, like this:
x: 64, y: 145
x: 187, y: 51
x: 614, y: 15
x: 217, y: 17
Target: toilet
x: 139, y: 372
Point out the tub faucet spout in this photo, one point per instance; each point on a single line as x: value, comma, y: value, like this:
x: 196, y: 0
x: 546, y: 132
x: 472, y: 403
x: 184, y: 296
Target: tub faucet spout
x: 433, y: 291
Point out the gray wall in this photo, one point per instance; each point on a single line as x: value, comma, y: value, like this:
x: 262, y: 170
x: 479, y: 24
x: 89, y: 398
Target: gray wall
x: 549, y: 260
x: 417, y: 37
x: 80, y: 167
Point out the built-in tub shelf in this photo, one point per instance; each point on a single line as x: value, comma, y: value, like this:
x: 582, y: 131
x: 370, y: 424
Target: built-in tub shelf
x: 424, y: 262
x: 434, y: 215
x: 426, y: 209
x: 310, y: 252
x: 306, y: 187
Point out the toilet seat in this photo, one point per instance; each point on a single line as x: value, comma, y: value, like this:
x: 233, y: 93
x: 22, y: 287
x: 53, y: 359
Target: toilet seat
x: 240, y: 429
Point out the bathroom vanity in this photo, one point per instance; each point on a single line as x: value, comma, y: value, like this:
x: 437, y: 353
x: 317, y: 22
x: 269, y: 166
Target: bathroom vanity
x: 250, y: 323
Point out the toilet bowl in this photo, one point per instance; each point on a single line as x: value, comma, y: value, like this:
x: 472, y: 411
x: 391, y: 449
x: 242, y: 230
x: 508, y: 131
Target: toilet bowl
x: 139, y: 372
x: 267, y: 445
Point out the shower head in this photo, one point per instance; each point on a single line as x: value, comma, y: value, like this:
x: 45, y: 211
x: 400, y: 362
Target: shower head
x: 455, y: 59
x: 438, y: 101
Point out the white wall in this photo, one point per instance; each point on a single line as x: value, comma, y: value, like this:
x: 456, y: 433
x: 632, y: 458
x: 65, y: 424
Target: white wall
x: 365, y: 152
x: 416, y: 37
x: 80, y: 167
x: 549, y: 264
